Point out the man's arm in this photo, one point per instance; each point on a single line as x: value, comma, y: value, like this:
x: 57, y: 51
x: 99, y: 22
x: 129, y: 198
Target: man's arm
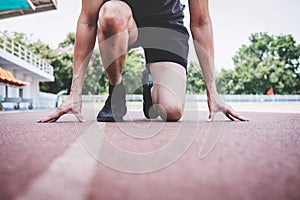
x: 86, y: 33
x: 202, y: 32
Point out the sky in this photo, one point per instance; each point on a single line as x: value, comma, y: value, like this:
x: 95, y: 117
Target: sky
x: 233, y: 22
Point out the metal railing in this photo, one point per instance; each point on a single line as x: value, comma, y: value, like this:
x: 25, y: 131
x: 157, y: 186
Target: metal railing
x: 12, y: 47
x: 244, y: 98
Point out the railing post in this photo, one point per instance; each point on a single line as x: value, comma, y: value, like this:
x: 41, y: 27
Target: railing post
x: 40, y: 64
x: 50, y: 70
x: 4, y: 43
x: 12, y: 47
x: 25, y: 55
x: 19, y: 52
x: 36, y: 61
x: 33, y: 59
x: 43, y: 65
x: 30, y: 57
x: 47, y: 68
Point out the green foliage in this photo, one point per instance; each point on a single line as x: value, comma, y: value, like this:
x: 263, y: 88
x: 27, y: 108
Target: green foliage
x: 69, y: 41
x: 63, y: 67
x: 133, y: 68
x: 268, y: 61
x: 195, y: 81
x: 62, y: 62
x: 60, y: 59
x: 95, y: 79
x: 20, y: 38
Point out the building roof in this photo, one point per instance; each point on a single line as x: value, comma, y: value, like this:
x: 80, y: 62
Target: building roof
x: 13, y: 8
x: 8, y: 78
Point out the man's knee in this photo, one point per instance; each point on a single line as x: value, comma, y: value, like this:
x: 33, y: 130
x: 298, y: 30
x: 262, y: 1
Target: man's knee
x: 174, y: 113
x: 113, y: 17
x: 170, y: 112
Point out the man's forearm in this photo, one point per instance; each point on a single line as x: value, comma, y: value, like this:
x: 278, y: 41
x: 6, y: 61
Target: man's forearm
x: 84, y: 46
x: 204, y: 46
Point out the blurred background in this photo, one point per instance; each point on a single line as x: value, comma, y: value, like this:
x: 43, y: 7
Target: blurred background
x: 257, y: 54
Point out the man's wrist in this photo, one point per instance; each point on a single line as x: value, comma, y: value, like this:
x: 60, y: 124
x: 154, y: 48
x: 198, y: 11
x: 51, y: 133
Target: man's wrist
x: 211, y: 90
x: 76, y: 87
x: 76, y: 91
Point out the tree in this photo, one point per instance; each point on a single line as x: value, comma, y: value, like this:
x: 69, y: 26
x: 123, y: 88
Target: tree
x: 59, y: 59
x: 132, y: 73
x: 69, y: 41
x: 62, y: 62
x: 268, y: 61
x: 195, y: 81
x: 95, y: 81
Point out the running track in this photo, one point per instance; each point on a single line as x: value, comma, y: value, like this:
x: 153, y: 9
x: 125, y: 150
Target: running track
x: 259, y: 159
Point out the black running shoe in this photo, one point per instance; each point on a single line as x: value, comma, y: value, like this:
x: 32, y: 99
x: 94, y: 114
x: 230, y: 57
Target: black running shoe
x: 114, y: 108
x: 149, y: 111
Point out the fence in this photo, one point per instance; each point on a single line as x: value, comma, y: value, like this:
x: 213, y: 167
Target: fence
x: 14, y: 48
x: 47, y: 100
x: 248, y: 98
x: 203, y: 98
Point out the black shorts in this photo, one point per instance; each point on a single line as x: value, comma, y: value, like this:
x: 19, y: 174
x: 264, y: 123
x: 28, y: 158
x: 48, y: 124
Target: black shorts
x: 162, y: 40
x: 161, y: 31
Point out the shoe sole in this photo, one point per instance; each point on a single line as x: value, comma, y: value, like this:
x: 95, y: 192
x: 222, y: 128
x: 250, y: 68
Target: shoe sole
x: 108, y: 119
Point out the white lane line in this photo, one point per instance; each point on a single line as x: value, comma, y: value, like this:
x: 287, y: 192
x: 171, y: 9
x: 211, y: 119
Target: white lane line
x: 68, y: 176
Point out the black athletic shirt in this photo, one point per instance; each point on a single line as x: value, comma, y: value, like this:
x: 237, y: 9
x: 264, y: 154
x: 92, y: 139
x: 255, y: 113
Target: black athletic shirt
x: 166, y: 10
x: 163, y: 9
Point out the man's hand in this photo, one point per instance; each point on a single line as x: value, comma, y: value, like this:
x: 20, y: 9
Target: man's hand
x: 72, y: 105
x: 216, y: 104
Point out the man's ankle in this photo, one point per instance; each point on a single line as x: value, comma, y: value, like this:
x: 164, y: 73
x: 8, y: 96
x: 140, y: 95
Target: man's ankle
x: 120, y: 87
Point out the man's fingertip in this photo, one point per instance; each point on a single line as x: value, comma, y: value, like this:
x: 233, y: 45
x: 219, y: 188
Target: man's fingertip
x: 82, y: 120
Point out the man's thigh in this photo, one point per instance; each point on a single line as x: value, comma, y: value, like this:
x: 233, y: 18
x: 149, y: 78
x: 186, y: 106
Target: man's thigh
x: 169, y: 80
x: 120, y: 10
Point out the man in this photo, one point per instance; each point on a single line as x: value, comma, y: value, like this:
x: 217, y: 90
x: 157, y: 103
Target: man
x: 120, y: 25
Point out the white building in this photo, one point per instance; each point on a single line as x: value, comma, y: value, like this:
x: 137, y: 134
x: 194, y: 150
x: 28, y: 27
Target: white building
x: 21, y: 70
x: 26, y: 67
